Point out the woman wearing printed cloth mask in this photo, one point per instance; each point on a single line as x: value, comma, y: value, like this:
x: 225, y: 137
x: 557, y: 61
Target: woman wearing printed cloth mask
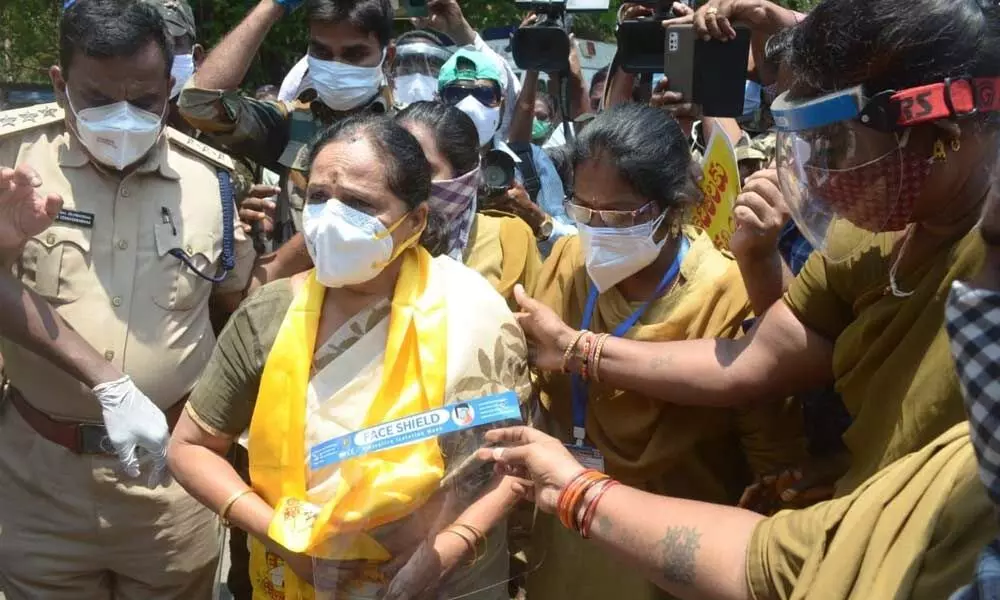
x: 871, y: 324
x: 912, y: 532
x: 501, y: 249
x: 378, y: 331
x: 638, y: 271
x: 420, y: 55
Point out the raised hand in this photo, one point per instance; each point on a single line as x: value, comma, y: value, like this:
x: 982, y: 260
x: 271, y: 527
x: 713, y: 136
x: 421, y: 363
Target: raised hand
x: 24, y: 211
x: 759, y: 214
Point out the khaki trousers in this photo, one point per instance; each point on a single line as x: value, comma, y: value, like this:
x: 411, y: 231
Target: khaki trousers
x: 76, y: 528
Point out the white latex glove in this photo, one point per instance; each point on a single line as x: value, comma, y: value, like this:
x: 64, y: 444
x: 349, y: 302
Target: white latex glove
x: 133, y: 421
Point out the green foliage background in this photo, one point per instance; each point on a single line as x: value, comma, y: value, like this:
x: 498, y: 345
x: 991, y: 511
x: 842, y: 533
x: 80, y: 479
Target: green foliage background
x: 29, y: 33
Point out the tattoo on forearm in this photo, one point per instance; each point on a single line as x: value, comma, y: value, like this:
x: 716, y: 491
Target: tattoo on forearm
x: 677, y: 550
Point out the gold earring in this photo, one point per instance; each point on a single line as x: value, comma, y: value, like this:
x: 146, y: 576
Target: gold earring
x: 939, y: 153
x: 956, y: 144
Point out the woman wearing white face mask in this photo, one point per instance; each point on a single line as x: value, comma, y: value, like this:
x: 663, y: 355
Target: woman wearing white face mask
x: 346, y: 377
x: 637, y: 270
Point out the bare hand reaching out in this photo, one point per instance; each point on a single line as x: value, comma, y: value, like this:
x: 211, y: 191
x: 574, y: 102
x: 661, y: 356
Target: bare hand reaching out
x: 24, y: 211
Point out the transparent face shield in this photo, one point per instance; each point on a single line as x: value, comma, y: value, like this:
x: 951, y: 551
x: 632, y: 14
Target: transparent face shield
x: 414, y: 72
x: 404, y: 509
x: 842, y: 180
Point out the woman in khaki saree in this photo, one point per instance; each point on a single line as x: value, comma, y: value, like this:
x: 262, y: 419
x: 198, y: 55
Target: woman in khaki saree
x: 369, y: 347
x: 637, y: 271
x: 500, y: 248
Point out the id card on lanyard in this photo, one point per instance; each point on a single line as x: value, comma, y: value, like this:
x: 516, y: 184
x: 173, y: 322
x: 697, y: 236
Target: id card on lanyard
x: 588, y: 456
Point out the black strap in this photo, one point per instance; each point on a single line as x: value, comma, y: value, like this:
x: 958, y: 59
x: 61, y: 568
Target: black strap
x: 228, y: 241
x: 532, y: 183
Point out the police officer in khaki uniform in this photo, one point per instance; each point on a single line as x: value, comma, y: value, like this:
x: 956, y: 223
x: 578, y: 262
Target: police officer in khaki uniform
x: 146, y: 235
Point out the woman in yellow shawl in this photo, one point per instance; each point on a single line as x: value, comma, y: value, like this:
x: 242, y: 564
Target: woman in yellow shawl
x: 501, y: 249
x: 344, y: 376
x: 636, y: 271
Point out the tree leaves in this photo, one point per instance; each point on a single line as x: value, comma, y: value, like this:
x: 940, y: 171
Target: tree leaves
x: 29, y: 42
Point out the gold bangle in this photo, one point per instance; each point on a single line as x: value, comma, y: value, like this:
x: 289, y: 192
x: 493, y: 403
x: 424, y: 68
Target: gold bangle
x: 596, y: 370
x: 228, y: 506
x: 568, y: 354
x: 476, y: 533
x: 470, y: 543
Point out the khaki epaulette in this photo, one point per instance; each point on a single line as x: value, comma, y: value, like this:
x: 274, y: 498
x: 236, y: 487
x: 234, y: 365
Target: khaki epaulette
x: 201, y: 149
x: 31, y: 117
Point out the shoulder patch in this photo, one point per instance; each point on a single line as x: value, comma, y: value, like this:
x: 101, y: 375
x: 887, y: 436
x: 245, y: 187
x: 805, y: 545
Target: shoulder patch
x: 31, y: 117
x: 201, y: 149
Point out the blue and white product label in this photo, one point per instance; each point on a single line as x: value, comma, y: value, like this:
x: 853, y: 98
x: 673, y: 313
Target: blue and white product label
x: 416, y: 428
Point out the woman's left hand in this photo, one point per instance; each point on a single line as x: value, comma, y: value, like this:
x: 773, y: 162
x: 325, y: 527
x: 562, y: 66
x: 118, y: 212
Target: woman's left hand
x: 414, y: 576
x: 548, y: 337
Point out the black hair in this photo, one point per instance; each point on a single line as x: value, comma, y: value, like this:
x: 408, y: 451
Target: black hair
x: 777, y: 47
x: 453, y: 130
x: 550, y: 103
x: 111, y: 29
x: 369, y: 16
x: 456, y: 138
x: 600, y: 76
x: 893, y: 44
x: 562, y: 158
x: 407, y: 170
x: 421, y: 35
x: 648, y: 147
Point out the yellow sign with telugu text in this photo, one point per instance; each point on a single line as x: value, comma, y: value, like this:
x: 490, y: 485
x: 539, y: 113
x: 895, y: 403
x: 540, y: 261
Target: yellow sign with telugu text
x: 720, y: 182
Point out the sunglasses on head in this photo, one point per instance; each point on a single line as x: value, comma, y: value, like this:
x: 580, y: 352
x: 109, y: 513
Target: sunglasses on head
x: 487, y: 96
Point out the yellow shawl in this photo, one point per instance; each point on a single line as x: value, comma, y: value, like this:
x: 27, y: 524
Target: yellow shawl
x: 374, y: 489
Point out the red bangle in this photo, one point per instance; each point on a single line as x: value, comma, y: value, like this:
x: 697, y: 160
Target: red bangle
x: 572, y: 494
x: 588, y: 515
x: 588, y: 343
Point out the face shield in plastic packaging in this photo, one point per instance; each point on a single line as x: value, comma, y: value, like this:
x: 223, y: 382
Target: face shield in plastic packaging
x: 414, y: 72
x: 405, y: 509
x: 845, y: 163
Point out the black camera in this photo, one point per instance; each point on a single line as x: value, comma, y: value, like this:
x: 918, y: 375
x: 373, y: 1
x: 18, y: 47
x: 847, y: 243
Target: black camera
x: 544, y: 45
x: 641, y: 41
x: 498, y: 174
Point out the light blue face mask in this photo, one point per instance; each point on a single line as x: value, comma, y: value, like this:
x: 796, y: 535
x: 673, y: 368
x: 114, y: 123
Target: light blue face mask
x: 751, y: 98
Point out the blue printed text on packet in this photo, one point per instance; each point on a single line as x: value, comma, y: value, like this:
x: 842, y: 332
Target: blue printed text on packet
x: 416, y: 428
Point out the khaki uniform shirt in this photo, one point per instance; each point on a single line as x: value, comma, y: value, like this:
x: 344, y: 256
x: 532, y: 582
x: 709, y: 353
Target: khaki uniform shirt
x: 112, y: 279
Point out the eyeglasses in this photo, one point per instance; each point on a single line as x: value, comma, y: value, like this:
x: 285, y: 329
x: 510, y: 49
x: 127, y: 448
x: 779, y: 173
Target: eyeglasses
x: 610, y: 218
x: 487, y: 96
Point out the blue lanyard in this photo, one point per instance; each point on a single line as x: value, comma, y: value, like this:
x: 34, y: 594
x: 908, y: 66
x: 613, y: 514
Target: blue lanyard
x: 579, y: 387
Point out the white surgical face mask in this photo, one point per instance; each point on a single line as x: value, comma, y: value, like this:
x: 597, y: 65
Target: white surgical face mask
x: 342, y: 86
x: 347, y: 246
x: 408, y: 89
x: 614, y: 254
x: 117, y: 135
x: 182, y: 70
x: 486, y: 118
